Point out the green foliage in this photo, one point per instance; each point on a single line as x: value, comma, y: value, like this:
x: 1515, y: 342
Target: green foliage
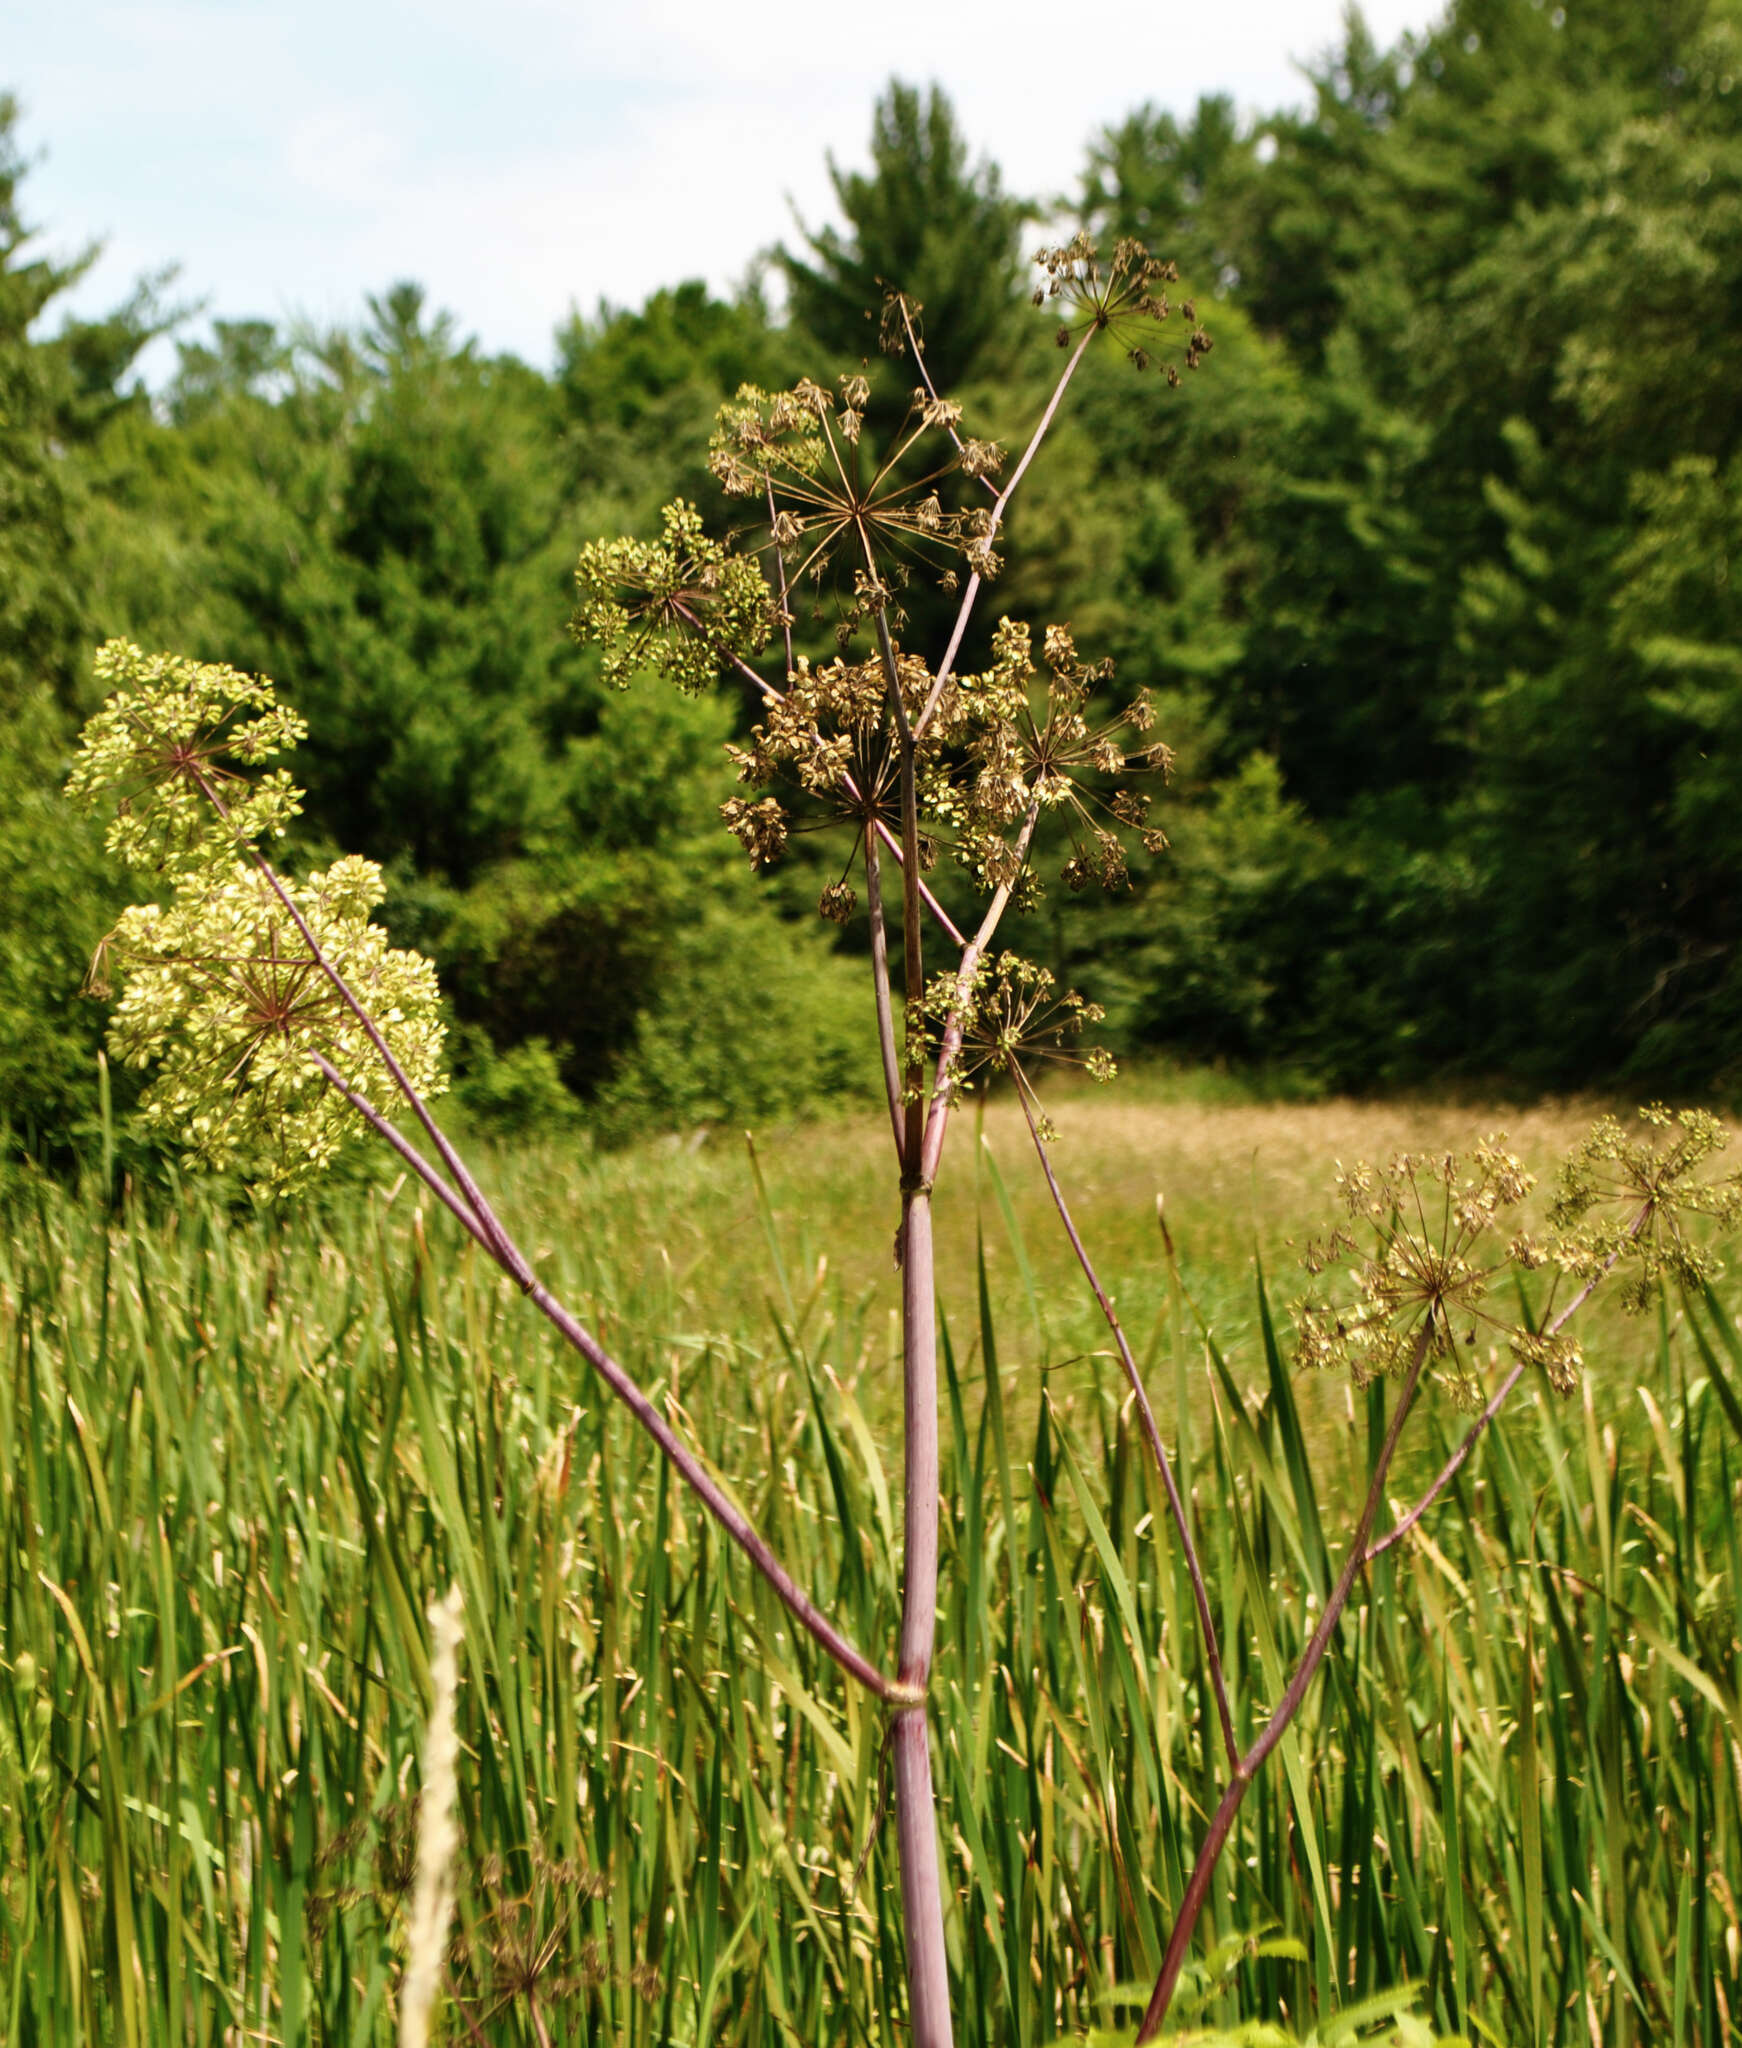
x: 515, y: 1094
x: 636, y: 392
x: 59, y: 895
x: 751, y: 1021
x: 40, y: 622
x: 1444, y: 536
x: 1389, y: 2019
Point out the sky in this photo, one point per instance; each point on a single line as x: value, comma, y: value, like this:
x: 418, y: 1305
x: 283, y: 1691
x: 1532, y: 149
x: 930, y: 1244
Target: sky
x: 525, y: 157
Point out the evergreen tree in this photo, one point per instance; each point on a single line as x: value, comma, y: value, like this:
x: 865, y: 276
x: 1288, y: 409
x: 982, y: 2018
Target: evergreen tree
x: 923, y: 223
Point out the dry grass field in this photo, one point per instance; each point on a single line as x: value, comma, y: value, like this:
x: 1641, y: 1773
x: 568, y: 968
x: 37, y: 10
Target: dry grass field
x: 1239, y: 1180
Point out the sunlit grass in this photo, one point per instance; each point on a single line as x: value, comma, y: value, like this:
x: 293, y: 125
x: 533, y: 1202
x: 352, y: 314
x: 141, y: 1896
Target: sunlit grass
x: 1239, y: 1181
x: 238, y: 1456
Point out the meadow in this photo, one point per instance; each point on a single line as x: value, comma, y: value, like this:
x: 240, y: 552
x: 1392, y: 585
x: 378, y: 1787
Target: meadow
x: 240, y: 1452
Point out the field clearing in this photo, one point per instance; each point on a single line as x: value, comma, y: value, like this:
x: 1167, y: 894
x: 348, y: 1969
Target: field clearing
x: 679, y: 1221
x: 240, y: 1454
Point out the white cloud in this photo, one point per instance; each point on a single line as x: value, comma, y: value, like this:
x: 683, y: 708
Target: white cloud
x: 542, y: 153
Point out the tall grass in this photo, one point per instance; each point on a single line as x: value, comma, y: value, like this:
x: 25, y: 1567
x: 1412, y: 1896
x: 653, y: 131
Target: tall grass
x: 239, y: 1458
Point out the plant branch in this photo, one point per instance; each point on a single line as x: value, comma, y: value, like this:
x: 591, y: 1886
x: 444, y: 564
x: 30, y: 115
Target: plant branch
x: 973, y: 953
x: 688, y: 1466
x: 880, y: 983
x: 1175, y: 1504
x: 922, y: 1911
x: 851, y: 790
x: 1449, y: 1471
x: 384, y: 1128
x: 965, y: 609
x: 1209, y: 1855
x: 780, y: 565
x: 913, y: 343
x: 504, y: 1250
x: 912, y: 926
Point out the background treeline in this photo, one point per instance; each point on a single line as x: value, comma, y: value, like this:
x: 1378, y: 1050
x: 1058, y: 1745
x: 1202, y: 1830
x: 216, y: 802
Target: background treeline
x: 1429, y: 568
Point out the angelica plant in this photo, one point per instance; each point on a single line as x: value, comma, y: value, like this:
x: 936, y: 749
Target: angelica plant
x: 278, y: 1019
x: 276, y: 1016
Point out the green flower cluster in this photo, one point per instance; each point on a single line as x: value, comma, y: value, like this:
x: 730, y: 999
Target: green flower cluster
x: 167, y: 750
x: 242, y: 983
x: 682, y: 606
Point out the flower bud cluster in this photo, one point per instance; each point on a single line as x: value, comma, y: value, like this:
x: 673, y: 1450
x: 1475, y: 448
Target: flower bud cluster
x: 169, y: 751
x: 221, y: 990
x: 682, y: 606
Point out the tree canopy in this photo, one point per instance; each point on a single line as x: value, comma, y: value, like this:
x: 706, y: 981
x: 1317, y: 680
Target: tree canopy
x: 1428, y: 570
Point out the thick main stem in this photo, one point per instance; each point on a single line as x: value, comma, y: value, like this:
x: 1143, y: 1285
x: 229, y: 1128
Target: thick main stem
x: 922, y: 1910
x: 1197, y: 1889
x: 880, y: 990
x: 943, y: 1086
x: 922, y: 1902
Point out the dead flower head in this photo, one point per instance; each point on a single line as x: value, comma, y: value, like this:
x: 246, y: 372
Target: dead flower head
x: 1124, y: 296
x: 1425, y: 1282
x: 1624, y: 1202
x: 839, y: 509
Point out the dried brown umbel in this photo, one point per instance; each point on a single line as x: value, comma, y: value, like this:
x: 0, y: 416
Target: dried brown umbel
x: 1627, y: 1200
x: 1427, y: 1274
x: 835, y: 507
x: 1123, y: 295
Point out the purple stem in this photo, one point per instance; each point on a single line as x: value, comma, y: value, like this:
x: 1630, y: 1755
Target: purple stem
x: 780, y: 564
x: 880, y: 983
x: 928, y: 1981
x: 688, y: 1465
x: 1003, y: 499
x: 922, y: 1905
x: 955, y: 1024
x: 932, y: 390
x: 509, y: 1257
x: 1176, y: 1506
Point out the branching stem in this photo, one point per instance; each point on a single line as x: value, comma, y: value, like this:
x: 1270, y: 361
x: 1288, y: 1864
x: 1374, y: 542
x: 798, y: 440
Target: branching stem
x: 913, y: 343
x: 780, y: 566
x: 1000, y: 503
x: 1455, y: 1462
x: 937, y: 1122
x: 1246, y: 1770
x: 850, y: 789
x: 1361, y: 1554
x: 689, y: 1467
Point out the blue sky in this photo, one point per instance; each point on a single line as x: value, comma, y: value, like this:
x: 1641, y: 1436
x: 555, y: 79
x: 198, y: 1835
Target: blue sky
x: 521, y: 158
